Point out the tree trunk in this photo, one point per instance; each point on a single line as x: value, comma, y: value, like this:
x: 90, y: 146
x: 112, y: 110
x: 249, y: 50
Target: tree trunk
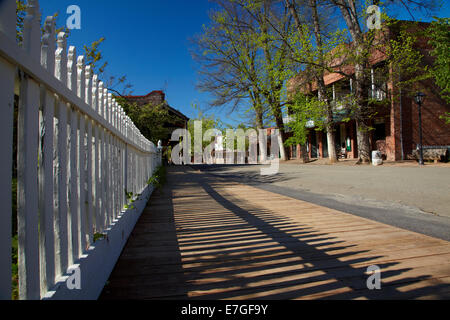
x: 332, y: 155
x: 362, y: 113
x: 260, y: 126
x: 323, y: 96
x: 349, y: 13
x: 304, y: 153
x: 282, y: 136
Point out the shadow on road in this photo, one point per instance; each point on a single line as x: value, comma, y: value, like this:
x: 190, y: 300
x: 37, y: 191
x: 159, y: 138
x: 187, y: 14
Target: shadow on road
x: 195, y: 241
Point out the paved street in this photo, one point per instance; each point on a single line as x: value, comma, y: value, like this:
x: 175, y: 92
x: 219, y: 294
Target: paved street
x: 405, y: 196
x: 210, y: 237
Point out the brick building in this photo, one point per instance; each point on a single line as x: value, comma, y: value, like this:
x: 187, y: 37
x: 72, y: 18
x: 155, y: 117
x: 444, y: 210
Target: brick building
x: 395, y: 126
x: 158, y: 98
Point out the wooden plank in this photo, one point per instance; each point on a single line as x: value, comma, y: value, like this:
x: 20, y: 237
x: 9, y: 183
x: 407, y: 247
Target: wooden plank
x: 7, y: 72
x: 6, y: 133
x: 74, y: 189
x: 190, y: 244
x: 27, y: 190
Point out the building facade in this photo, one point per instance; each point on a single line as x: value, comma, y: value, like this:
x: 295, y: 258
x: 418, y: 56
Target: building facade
x: 395, y: 124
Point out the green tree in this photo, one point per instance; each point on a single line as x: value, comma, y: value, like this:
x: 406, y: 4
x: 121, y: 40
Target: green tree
x: 439, y: 34
x: 243, y: 60
x: 155, y: 122
x: 305, y: 109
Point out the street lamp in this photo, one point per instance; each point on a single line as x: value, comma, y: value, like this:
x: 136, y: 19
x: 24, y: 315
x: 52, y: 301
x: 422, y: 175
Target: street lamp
x: 420, y: 97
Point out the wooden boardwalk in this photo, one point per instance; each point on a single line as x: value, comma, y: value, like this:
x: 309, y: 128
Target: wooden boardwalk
x: 209, y: 238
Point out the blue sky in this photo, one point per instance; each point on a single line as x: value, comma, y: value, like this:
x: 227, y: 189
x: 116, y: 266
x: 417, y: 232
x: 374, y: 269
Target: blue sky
x: 148, y: 40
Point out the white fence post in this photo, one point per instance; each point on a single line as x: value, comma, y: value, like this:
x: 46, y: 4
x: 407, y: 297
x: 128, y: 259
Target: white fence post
x: 46, y: 218
x: 61, y: 226
x: 7, y: 72
x: 27, y: 160
x: 81, y: 216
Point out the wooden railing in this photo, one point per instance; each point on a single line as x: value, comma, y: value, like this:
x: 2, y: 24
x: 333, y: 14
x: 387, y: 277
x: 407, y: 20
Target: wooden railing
x: 77, y: 154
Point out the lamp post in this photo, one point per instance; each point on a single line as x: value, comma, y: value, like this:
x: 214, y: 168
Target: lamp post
x: 420, y: 97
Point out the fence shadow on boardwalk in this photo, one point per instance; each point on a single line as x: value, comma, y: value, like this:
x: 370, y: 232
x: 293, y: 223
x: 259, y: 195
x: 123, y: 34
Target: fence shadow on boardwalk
x: 198, y: 243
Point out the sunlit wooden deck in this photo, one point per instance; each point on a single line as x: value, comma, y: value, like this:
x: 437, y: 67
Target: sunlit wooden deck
x: 207, y: 238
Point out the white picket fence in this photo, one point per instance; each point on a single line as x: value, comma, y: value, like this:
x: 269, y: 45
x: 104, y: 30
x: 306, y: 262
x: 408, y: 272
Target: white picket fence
x: 78, y: 153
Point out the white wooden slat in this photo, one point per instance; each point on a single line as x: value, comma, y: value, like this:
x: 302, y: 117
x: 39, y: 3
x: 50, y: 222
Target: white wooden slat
x: 27, y: 187
x: 95, y: 93
x: 82, y: 185
x: 97, y: 180
x: 81, y: 91
x: 27, y: 190
x: 108, y: 176
x: 62, y: 232
x: 7, y: 70
x: 74, y: 182
x: 81, y: 81
x: 88, y: 85
x: 89, y: 200
x: 61, y: 58
x: 110, y: 108
x: 72, y: 69
x: 60, y: 162
x: 114, y: 176
x: 104, y: 201
x: 46, y: 218
x: 106, y: 105
x: 101, y: 99
x: 6, y: 137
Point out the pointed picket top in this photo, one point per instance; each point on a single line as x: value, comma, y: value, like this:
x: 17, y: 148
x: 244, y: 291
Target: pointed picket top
x: 105, y: 104
x: 48, y: 45
x: 100, y: 99
x: 95, y: 93
x: 113, y: 111
x: 61, y: 58
x: 72, y: 69
x: 81, y: 78
x: 116, y: 114
x: 109, y: 110
x: 88, y: 85
x: 32, y: 30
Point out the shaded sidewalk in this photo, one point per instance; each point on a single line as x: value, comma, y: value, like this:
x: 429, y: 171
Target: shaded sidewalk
x: 205, y: 237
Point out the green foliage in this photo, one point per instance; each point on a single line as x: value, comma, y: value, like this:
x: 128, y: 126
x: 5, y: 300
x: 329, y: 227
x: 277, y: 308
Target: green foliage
x: 15, y: 269
x: 20, y: 15
x: 99, y: 236
x: 154, y: 122
x: 439, y: 34
x: 305, y: 109
x: 159, y: 178
x: 446, y: 117
x: 93, y: 56
x: 209, y: 122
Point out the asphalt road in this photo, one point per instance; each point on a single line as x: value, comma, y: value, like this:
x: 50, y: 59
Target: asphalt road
x: 412, y: 198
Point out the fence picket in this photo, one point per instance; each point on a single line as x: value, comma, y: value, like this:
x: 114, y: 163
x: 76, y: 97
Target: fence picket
x: 73, y: 169
x: 46, y: 218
